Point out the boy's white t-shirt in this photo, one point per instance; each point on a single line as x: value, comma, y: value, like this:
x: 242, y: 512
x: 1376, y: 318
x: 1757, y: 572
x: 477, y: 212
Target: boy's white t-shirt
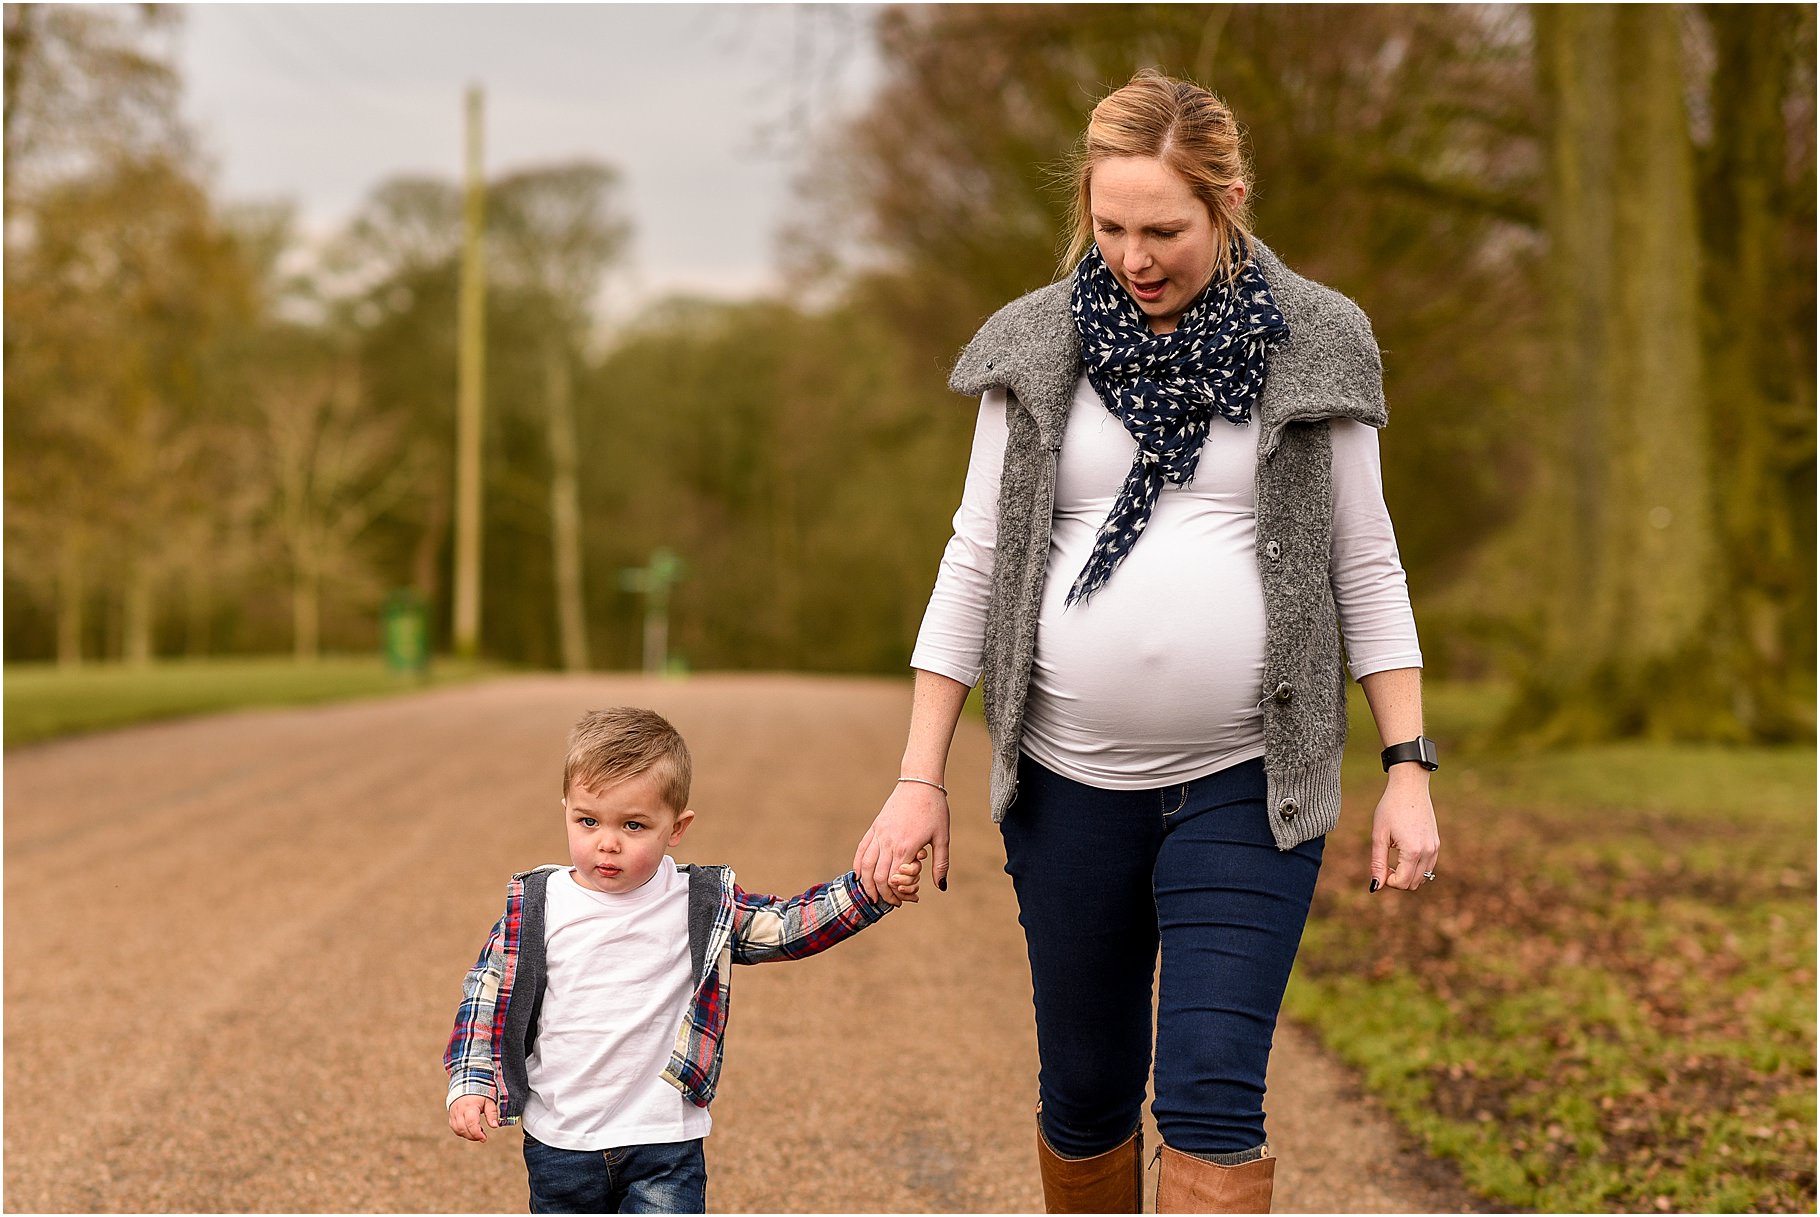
x: 617, y: 983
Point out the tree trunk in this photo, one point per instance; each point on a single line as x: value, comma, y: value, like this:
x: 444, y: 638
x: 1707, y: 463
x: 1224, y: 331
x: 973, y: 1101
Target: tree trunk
x: 71, y: 590
x: 787, y: 566
x: 1660, y: 557
x: 565, y: 508
x: 1749, y: 379
x: 1628, y: 648
x: 1576, y: 53
x: 306, y: 611
x: 199, y: 605
x: 136, y: 616
x: 426, y: 570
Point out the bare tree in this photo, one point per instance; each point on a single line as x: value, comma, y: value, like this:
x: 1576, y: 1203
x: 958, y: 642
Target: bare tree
x: 390, y: 278
x: 86, y: 86
x: 120, y: 310
x: 102, y: 223
x: 332, y: 466
x: 557, y: 233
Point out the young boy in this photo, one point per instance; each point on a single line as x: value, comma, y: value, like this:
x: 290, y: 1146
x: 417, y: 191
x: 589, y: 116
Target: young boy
x: 596, y: 1010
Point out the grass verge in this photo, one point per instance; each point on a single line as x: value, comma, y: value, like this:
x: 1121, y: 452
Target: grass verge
x: 43, y: 701
x: 1607, y: 1001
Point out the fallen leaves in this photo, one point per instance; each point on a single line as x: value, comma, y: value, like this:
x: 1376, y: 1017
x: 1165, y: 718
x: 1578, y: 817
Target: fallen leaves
x: 1620, y: 1018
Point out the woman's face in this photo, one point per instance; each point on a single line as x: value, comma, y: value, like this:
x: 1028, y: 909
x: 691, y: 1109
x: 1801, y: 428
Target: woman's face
x: 1154, y: 233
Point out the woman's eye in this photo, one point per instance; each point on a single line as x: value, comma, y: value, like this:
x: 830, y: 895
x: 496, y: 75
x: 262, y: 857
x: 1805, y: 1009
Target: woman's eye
x: 1164, y: 236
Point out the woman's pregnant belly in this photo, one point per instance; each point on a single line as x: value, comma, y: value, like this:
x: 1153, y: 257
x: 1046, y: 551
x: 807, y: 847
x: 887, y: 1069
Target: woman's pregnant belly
x: 1156, y: 679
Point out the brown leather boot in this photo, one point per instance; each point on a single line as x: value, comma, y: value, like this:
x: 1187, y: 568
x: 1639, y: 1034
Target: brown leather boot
x: 1112, y: 1182
x: 1187, y: 1184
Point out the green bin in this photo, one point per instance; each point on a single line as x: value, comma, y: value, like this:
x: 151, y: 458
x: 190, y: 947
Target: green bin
x: 406, y: 633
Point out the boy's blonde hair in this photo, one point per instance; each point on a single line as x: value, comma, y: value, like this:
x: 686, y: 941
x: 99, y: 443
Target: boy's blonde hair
x: 621, y: 742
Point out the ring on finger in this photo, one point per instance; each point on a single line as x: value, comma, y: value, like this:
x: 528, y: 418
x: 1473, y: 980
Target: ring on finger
x: 1429, y: 875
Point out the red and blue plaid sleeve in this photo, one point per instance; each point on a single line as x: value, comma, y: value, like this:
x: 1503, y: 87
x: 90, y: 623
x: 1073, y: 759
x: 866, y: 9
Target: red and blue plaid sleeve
x: 469, y: 1057
x: 767, y: 928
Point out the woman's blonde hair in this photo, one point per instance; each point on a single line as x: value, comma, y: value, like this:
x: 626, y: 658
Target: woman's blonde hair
x: 1180, y: 124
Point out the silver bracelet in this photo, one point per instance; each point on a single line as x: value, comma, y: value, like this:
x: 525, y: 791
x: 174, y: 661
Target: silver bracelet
x: 926, y: 782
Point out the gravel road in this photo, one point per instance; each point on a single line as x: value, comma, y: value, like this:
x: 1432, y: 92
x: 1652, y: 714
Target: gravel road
x: 234, y: 947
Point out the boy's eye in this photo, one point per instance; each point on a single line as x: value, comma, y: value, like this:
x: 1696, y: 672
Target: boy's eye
x: 589, y: 822
x: 633, y: 826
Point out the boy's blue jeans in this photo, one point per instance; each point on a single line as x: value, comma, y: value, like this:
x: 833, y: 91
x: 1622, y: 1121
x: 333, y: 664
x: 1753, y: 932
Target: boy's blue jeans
x: 1103, y: 877
x: 635, y: 1179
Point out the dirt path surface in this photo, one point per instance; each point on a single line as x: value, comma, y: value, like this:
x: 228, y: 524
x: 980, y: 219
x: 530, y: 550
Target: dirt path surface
x: 234, y: 947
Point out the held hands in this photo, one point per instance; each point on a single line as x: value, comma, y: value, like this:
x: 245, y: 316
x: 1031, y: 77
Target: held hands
x: 471, y: 1115
x: 913, y: 819
x: 908, y: 877
x: 1405, y: 820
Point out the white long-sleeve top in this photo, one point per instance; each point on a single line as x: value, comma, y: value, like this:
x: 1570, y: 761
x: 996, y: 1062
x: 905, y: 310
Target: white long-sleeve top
x: 1156, y: 679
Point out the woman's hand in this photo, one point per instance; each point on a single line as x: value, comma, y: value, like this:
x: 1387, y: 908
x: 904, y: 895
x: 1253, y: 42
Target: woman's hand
x: 914, y: 816
x: 1405, y: 821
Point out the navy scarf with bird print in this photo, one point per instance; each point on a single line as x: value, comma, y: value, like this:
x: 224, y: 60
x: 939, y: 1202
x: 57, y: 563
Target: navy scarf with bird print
x: 1167, y: 388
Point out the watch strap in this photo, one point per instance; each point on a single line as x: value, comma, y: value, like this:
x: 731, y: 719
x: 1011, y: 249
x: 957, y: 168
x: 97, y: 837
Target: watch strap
x: 1421, y: 750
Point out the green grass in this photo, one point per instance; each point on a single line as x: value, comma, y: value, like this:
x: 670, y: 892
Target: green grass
x: 1607, y: 1001
x: 43, y: 701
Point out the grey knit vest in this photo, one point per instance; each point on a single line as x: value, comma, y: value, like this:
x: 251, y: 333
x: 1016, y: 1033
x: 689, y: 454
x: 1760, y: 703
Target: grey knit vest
x: 1328, y: 368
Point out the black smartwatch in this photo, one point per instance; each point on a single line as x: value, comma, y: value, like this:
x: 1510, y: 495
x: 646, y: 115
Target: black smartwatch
x: 1421, y: 750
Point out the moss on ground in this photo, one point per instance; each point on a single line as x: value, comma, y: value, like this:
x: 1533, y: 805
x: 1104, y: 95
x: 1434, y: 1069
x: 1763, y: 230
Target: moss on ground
x: 1607, y: 1001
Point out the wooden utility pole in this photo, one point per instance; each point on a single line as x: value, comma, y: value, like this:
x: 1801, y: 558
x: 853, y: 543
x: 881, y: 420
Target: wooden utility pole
x: 565, y: 505
x: 470, y: 396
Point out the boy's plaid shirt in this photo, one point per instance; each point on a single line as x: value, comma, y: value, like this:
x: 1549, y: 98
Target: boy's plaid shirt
x: 747, y: 927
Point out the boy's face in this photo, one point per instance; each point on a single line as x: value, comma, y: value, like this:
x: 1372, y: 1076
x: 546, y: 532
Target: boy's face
x: 618, y: 834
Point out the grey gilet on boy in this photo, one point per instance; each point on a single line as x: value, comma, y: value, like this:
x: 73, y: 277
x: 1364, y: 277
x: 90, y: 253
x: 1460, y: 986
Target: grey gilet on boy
x: 706, y: 883
x: 1328, y: 368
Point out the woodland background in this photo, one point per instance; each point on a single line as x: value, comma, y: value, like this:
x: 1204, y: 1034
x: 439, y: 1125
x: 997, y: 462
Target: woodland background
x: 1584, y: 235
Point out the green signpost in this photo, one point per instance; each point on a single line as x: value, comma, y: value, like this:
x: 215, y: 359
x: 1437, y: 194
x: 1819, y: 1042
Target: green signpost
x: 653, y: 581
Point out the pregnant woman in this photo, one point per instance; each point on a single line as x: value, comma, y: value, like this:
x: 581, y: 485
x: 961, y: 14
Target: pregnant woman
x: 1172, y: 515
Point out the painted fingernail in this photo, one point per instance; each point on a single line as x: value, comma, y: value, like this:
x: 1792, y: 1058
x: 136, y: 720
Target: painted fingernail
x: 1374, y: 883
x: 941, y: 885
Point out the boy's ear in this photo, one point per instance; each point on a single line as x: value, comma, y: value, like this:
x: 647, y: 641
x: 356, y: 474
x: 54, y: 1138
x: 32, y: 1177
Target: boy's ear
x: 683, y: 819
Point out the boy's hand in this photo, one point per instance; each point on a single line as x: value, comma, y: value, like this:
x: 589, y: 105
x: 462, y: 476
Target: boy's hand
x: 909, y: 875
x: 471, y: 1115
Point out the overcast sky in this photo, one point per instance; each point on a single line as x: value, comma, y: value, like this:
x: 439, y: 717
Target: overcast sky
x: 706, y: 109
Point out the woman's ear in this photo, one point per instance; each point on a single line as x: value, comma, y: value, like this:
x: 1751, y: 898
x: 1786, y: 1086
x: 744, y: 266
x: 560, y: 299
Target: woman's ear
x: 1235, y: 195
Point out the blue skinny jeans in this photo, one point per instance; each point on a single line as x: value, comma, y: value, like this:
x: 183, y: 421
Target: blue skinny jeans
x: 1104, y: 878
x: 670, y: 1178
